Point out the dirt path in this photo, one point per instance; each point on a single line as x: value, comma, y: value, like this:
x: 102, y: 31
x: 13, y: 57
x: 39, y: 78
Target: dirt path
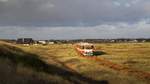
x: 121, y: 68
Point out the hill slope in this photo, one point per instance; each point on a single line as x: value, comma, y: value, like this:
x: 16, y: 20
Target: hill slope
x: 20, y: 67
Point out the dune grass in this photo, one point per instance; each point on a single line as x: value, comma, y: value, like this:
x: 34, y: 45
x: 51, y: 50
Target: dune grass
x: 22, y: 67
x: 65, y: 56
x: 135, y: 55
x: 58, y: 64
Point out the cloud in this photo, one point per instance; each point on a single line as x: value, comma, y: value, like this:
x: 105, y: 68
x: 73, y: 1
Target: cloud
x: 3, y: 0
x: 117, y: 3
x: 118, y: 30
x: 69, y: 19
x: 71, y: 12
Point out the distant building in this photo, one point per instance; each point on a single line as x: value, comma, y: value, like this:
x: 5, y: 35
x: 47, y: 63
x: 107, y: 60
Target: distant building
x: 42, y: 42
x: 143, y: 41
x: 133, y: 41
x: 112, y: 41
x: 25, y: 41
x: 50, y: 42
x: 45, y: 42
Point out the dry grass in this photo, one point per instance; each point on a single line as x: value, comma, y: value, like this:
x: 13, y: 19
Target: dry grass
x: 67, y: 57
x: 135, y: 55
x: 67, y: 67
x: 18, y: 66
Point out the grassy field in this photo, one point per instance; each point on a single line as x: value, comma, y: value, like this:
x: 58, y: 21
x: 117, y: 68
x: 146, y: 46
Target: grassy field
x: 135, y: 55
x: 60, y: 64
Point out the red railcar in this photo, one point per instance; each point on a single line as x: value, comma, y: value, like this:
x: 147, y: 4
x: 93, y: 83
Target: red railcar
x: 86, y: 49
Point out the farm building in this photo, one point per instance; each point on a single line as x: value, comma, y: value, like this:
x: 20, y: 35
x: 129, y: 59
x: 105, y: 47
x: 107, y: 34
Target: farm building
x: 42, y: 42
x: 45, y: 42
x: 51, y: 42
x: 25, y: 41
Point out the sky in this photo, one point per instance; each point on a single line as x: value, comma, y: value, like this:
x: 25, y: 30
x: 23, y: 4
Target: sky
x: 74, y: 19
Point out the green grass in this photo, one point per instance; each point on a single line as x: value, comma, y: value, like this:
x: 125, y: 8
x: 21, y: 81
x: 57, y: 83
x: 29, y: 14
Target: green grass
x: 60, y: 64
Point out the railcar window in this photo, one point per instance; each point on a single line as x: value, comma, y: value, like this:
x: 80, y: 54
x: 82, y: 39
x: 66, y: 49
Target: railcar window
x: 89, y: 47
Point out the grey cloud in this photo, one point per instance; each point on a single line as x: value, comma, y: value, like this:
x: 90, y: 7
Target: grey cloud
x: 71, y: 12
x: 119, y: 30
x: 67, y: 19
